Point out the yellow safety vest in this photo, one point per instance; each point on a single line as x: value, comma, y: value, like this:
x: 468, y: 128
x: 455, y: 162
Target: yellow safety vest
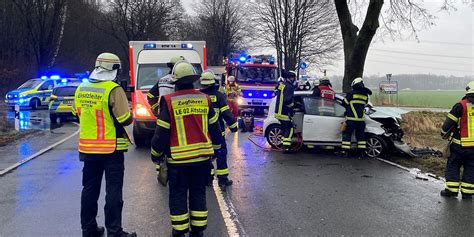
x: 98, y: 134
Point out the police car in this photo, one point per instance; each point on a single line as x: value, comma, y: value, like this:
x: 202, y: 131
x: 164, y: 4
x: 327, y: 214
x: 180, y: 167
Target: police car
x: 319, y: 120
x: 33, y: 93
x: 62, y: 98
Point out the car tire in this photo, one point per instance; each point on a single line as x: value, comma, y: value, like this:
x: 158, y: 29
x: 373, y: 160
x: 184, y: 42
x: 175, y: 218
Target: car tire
x: 140, y: 140
x: 35, y: 103
x: 53, y: 118
x: 376, y: 146
x: 274, y: 135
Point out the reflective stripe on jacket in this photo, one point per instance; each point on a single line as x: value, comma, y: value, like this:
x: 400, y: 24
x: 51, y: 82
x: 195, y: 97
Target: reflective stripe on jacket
x: 284, y: 101
x: 466, y: 124
x: 355, y: 103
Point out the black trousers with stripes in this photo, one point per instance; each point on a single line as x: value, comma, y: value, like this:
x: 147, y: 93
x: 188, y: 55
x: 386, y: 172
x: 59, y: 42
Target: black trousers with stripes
x: 461, y: 157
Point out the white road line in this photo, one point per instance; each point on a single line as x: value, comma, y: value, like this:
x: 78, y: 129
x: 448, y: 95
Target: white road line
x: 234, y: 227
x: 42, y: 151
x: 412, y: 171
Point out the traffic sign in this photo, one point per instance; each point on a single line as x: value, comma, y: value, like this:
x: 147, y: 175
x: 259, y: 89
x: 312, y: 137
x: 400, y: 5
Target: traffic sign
x: 388, y: 87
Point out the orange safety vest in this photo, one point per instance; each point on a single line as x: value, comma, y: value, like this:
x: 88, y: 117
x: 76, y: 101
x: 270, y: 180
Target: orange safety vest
x: 327, y: 92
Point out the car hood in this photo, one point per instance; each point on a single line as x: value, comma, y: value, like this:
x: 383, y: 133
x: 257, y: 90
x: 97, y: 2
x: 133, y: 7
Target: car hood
x: 387, y: 112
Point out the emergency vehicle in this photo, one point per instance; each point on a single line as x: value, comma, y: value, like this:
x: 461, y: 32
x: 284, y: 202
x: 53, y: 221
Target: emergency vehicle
x: 148, y: 63
x: 62, y: 98
x: 257, y: 76
x: 34, y: 93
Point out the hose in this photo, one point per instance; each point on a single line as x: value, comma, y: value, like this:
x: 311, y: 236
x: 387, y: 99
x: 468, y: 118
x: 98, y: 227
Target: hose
x: 258, y: 132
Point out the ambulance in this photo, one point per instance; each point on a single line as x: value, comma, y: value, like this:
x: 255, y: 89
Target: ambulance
x: 148, y: 63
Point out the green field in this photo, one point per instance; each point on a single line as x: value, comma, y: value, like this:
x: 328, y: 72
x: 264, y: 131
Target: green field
x: 435, y: 99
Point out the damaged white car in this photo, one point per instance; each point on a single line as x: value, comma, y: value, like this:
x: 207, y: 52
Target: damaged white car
x: 318, y: 120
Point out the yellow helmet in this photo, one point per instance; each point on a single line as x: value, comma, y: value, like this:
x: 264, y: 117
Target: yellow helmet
x: 357, y: 81
x: 107, y: 66
x: 184, y: 73
x: 231, y: 79
x: 176, y: 59
x: 208, y: 78
x: 470, y: 88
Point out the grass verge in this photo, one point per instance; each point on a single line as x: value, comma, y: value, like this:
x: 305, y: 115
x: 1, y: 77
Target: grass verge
x: 422, y: 130
x: 7, y: 135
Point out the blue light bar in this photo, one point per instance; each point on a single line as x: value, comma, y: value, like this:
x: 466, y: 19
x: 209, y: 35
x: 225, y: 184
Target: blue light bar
x: 64, y: 80
x: 44, y: 77
x: 55, y: 77
x: 187, y: 46
x: 149, y: 46
x: 242, y: 59
x: 250, y: 94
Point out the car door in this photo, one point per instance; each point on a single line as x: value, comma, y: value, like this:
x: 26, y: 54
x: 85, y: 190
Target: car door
x: 322, y: 120
x: 45, y: 91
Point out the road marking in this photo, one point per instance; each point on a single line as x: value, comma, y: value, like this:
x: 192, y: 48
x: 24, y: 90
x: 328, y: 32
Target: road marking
x: 234, y: 226
x: 42, y: 151
x: 413, y: 171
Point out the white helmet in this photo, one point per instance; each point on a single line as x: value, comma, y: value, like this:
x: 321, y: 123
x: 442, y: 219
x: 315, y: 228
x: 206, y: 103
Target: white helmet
x: 231, y: 79
x: 357, y: 81
x: 107, y: 66
x: 316, y: 82
x: 184, y: 73
x: 208, y: 78
x: 470, y: 88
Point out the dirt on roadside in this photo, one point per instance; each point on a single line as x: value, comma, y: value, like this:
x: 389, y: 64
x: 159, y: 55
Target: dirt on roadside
x: 422, y: 130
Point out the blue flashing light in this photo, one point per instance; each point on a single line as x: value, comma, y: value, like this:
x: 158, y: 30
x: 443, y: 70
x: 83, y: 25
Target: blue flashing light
x: 187, y: 46
x: 149, y: 46
x: 21, y: 101
x: 242, y: 59
x: 55, y: 77
x: 250, y: 94
x: 64, y: 80
x: 44, y: 77
x: 265, y: 95
x: 85, y: 80
x: 190, y: 46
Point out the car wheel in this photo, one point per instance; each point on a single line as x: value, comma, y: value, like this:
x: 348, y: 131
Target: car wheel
x: 274, y: 135
x: 140, y: 140
x: 376, y: 146
x: 53, y: 118
x: 35, y: 103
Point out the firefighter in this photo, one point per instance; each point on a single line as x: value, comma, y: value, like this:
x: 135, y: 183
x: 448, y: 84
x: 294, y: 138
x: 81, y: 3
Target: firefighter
x: 456, y: 127
x: 355, y: 103
x: 233, y: 92
x: 219, y: 103
x: 324, y: 89
x: 284, y: 108
x: 162, y: 87
x: 186, y: 126
x: 102, y: 108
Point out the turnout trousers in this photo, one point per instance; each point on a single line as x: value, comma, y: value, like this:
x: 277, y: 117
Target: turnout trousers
x: 221, y: 163
x: 188, y: 180
x: 359, y: 128
x: 287, y: 132
x: 460, y: 157
x: 94, y: 168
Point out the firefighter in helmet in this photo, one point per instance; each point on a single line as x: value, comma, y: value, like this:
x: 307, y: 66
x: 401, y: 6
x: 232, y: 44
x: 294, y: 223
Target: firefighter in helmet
x: 219, y: 103
x: 162, y: 87
x: 186, y: 137
x: 102, y: 108
x: 324, y: 89
x: 355, y: 102
x: 456, y: 128
x: 284, y: 107
x: 233, y: 91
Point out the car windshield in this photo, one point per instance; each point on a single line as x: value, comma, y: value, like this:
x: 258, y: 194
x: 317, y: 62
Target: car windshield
x: 30, y: 84
x: 65, y: 91
x: 149, y: 74
x: 257, y: 75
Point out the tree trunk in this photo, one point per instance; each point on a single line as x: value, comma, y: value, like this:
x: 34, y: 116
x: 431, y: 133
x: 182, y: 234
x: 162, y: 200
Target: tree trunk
x: 356, y: 45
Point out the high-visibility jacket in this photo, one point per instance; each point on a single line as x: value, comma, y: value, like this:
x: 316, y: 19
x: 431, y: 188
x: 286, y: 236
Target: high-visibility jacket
x: 98, y: 130
x: 189, y: 126
x: 466, y: 123
x: 355, y: 103
x: 233, y: 91
x: 327, y: 92
x: 221, y: 108
x: 284, y: 101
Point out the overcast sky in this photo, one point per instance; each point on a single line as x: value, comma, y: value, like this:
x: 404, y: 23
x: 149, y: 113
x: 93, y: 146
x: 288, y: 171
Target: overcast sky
x: 445, y: 49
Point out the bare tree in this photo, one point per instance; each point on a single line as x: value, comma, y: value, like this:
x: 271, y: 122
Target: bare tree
x: 399, y: 17
x: 221, y: 23
x: 128, y: 20
x: 44, y: 21
x: 297, y: 29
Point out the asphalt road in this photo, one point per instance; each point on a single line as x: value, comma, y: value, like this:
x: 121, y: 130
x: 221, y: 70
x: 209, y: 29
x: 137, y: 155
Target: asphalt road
x: 304, y: 194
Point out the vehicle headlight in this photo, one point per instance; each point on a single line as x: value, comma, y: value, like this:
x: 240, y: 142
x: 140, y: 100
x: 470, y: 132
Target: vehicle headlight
x: 142, y: 111
x: 240, y: 101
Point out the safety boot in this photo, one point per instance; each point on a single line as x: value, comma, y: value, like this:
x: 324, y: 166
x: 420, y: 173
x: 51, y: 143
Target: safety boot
x: 98, y: 232
x: 224, y: 181
x: 196, y: 234
x: 447, y: 193
x: 175, y: 233
x: 467, y: 196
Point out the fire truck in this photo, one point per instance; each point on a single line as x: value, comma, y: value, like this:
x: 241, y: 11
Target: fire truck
x: 148, y: 63
x: 257, y: 76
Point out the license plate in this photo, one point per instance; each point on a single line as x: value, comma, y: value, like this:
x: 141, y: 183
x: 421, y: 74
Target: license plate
x: 257, y: 101
x: 67, y: 102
